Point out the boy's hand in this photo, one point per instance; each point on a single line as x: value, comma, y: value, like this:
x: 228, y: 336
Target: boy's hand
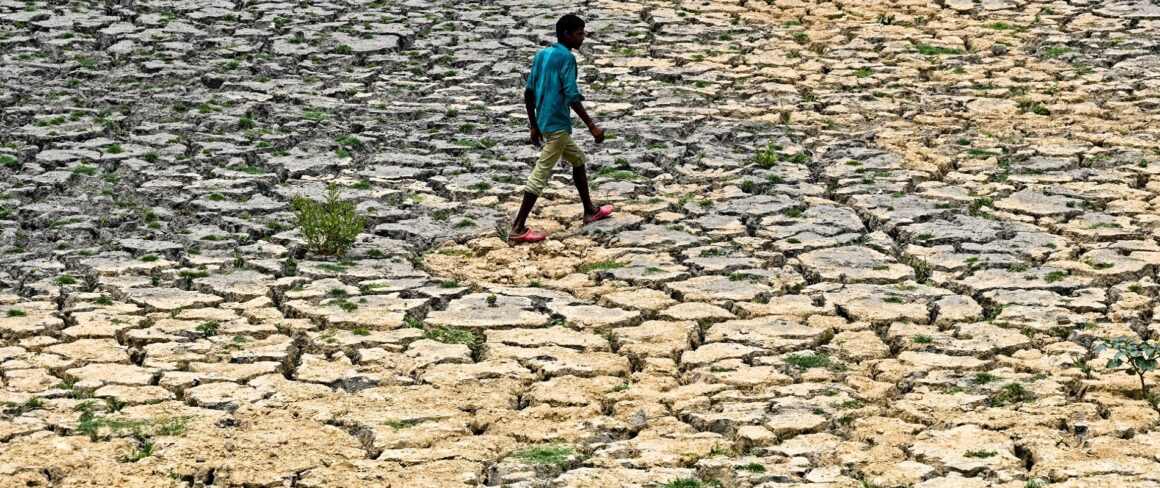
x: 536, y: 137
x: 597, y: 133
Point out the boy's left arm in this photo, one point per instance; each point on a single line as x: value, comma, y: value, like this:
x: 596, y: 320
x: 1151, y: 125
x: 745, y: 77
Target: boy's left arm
x: 530, y: 106
x: 597, y: 132
x: 573, y: 97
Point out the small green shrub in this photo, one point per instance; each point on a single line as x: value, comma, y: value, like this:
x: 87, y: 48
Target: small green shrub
x: 1139, y: 355
x: 208, y: 329
x: 767, y: 157
x: 330, y: 228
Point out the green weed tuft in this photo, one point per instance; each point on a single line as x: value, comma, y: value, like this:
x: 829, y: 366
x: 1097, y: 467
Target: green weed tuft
x: 551, y: 455
x: 330, y: 228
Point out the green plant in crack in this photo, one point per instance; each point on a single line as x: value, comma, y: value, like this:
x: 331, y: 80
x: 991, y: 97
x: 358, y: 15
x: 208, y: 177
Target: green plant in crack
x: 1030, y: 106
x: 450, y: 335
x: 401, y: 424
x: 550, y: 454
x: 208, y: 329
x: 344, y: 304
x: 767, y: 157
x: 983, y: 378
x: 1052, y: 52
x: 14, y: 408
x: 684, y: 483
x: 331, y: 227
x: 600, y: 265
x: 1054, y: 276
x: 616, y: 174
x: 928, y: 50
x: 1011, y: 394
x: 807, y: 361
x: 1140, y: 356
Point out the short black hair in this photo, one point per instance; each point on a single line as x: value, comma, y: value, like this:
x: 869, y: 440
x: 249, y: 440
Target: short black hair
x: 568, y: 23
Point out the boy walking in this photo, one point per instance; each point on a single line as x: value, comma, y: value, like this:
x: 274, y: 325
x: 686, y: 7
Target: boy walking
x: 551, y: 90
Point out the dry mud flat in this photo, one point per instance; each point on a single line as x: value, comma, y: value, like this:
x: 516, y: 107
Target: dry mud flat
x: 859, y: 244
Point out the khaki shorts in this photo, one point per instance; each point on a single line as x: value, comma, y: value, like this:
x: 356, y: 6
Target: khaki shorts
x: 556, y: 145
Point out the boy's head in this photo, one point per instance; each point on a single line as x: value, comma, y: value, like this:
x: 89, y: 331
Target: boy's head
x: 570, y: 31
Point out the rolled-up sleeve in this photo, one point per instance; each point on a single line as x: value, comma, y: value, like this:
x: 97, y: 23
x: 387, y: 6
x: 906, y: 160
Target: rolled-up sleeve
x: 571, y: 90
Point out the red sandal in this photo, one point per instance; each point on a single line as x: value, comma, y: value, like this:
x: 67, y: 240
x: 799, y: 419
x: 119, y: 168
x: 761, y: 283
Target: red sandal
x: 601, y: 214
x: 528, y: 236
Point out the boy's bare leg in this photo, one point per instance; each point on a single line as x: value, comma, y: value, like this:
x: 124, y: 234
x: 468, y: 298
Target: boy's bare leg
x: 522, y: 218
x: 580, y: 178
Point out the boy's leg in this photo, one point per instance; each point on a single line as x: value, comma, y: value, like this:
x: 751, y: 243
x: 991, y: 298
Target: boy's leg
x: 576, y: 157
x: 522, y: 216
x: 549, y: 156
x: 580, y: 177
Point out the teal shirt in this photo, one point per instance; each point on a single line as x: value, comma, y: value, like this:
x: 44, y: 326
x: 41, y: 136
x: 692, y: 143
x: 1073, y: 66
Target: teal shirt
x: 553, y: 79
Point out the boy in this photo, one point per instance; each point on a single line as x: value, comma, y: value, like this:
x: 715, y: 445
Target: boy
x: 552, y: 89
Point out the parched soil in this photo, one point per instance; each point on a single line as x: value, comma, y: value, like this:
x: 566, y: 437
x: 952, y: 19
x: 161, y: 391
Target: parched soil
x: 857, y: 244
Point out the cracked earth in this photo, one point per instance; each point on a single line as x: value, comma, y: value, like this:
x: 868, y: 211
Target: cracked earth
x: 858, y: 244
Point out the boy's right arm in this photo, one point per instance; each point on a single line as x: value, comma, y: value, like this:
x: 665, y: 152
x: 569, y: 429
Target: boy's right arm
x: 530, y: 105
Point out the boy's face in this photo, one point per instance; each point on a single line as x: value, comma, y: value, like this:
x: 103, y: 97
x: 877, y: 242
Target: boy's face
x: 574, y: 39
